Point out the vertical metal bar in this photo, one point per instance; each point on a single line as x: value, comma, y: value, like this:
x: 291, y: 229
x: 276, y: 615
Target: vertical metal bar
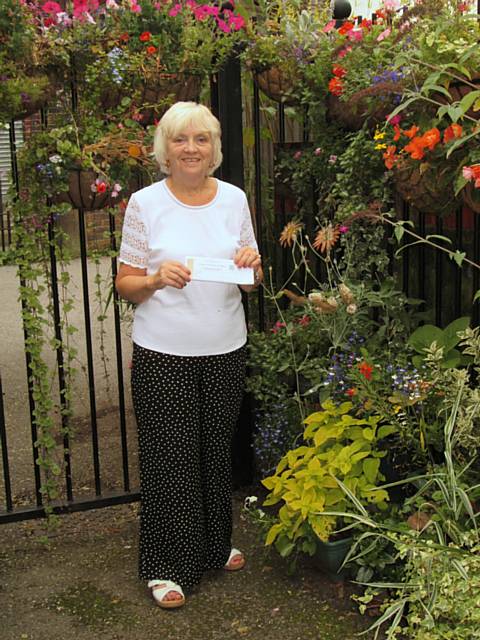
x: 458, y: 270
x: 258, y: 198
x: 3, y: 442
x: 438, y: 276
x: 421, y: 258
x: 31, y: 401
x: 118, y: 350
x: 60, y: 362
x: 476, y: 272
x: 283, y: 218
x: 405, y: 254
x: 2, y: 216
x: 88, y: 340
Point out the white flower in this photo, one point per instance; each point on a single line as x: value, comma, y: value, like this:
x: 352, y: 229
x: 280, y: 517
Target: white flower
x: 55, y: 159
x: 351, y: 309
x: 250, y: 501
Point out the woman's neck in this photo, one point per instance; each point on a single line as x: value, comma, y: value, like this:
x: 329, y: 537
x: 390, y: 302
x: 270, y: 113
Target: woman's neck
x: 197, y: 192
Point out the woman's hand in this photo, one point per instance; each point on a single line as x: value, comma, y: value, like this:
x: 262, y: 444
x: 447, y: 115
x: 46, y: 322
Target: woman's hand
x: 249, y: 257
x: 170, y: 274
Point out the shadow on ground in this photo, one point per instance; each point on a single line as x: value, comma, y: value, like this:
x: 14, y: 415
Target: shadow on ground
x: 83, y: 583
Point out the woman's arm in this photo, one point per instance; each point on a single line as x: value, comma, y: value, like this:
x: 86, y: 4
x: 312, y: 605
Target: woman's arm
x: 135, y: 285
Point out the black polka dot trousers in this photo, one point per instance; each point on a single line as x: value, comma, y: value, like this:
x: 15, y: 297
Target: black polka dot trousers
x: 186, y: 409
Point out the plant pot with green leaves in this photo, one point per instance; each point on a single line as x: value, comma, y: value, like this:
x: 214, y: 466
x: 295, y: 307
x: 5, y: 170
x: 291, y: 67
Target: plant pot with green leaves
x: 340, y: 450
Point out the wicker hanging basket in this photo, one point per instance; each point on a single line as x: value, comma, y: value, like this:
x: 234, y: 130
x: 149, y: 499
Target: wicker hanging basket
x: 428, y: 189
x: 80, y: 194
x: 458, y: 90
x: 168, y: 89
x: 277, y: 84
x: 471, y: 197
x: 29, y: 106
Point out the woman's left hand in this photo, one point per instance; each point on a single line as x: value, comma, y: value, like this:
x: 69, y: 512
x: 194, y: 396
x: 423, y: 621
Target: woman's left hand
x: 248, y: 257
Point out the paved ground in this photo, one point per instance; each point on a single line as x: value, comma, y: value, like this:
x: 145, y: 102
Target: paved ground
x: 83, y: 584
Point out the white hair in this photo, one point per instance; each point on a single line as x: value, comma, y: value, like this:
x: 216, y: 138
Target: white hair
x: 180, y: 116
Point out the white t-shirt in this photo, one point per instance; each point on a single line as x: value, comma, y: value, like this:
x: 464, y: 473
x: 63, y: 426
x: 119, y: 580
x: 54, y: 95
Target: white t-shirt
x: 203, y: 318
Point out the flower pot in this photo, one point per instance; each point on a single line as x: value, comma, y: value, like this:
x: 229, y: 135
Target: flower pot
x: 80, y: 194
x: 277, y: 84
x: 427, y: 188
x: 329, y: 557
x: 168, y: 89
x: 471, y: 197
x: 343, y: 113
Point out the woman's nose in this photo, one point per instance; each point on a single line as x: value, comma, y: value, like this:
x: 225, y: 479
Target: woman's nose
x: 190, y: 144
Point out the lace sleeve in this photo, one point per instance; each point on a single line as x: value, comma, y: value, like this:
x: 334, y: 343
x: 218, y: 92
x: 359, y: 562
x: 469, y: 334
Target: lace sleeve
x: 247, y: 235
x: 134, y: 245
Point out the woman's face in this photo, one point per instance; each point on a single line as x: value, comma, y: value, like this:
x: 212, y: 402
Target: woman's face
x: 190, y: 154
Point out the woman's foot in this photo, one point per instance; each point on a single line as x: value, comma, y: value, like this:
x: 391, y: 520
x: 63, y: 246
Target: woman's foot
x: 167, y: 594
x: 236, y: 560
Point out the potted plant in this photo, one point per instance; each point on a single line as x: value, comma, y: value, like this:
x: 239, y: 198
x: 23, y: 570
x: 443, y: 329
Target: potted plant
x: 280, y: 43
x: 339, y: 450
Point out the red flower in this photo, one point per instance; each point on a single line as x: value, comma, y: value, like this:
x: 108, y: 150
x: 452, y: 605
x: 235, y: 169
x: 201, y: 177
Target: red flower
x: 335, y: 86
x: 351, y: 392
x: 398, y: 132
x: 151, y: 50
x: 366, y: 370
x: 124, y: 37
x: 339, y: 71
x: 431, y: 138
x: 145, y: 36
x: 451, y: 132
x: 304, y: 320
x: 345, y: 28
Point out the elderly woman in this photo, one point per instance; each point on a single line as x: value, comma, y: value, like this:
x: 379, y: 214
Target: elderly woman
x: 188, y: 353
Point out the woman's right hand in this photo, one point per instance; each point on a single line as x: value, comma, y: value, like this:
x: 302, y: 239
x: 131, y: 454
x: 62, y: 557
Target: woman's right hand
x: 171, y: 274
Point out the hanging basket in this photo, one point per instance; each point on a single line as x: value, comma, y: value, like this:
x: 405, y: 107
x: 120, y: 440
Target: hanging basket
x: 343, y: 114
x: 428, y: 189
x: 277, y: 84
x: 471, y: 197
x: 80, y: 194
x: 30, y: 104
x: 168, y: 89
x: 458, y: 90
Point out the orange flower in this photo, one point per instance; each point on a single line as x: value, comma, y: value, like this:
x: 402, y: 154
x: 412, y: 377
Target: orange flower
x: 339, y: 71
x: 335, y: 86
x: 431, y: 138
x: 151, y: 50
x: 326, y: 238
x: 398, y: 132
x: 145, y: 36
x: 451, y: 132
x: 415, y: 148
x: 366, y: 370
x: 351, y: 392
x: 289, y: 233
x: 412, y: 132
x: 390, y: 156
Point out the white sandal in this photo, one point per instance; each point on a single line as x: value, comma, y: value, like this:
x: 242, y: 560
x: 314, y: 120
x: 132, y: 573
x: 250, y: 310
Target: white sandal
x: 160, y: 588
x: 238, y: 565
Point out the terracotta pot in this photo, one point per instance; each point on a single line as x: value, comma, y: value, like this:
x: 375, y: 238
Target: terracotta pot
x: 80, y: 194
x: 277, y: 85
x: 430, y: 190
x: 471, y: 197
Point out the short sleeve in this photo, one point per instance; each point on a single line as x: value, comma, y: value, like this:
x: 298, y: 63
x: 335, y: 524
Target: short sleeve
x: 134, y: 246
x: 247, y: 235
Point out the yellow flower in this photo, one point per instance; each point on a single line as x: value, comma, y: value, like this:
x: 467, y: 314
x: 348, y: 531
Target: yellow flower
x: 380, y: 146
x: 379, y: 135
x: 289, y: 233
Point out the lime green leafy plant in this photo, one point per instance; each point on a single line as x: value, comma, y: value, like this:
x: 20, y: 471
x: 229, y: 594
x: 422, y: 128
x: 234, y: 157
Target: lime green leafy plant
x: 339, y: 448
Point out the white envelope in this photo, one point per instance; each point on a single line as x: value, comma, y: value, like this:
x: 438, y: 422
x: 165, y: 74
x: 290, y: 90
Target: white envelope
x: 218, y: 270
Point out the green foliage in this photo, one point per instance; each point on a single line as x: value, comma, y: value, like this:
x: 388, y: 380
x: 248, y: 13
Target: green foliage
x: 446, y: 339
x: 338, y: 446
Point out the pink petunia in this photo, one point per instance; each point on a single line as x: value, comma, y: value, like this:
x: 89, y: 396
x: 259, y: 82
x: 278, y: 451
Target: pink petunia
x: 384, y: 34
x: 135, y: 7
x: 329, y: 26
x: 343, y: 228
x: 52, y: 7
x: 355, y: 35
x: 223, y: 26
x: 175, y: 10
x: 391, y: 5
x: 395, y: 120
x: 237, y: 22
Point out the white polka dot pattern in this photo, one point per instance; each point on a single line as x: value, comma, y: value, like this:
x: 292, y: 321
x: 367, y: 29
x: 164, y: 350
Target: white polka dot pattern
x: 186, y: 409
